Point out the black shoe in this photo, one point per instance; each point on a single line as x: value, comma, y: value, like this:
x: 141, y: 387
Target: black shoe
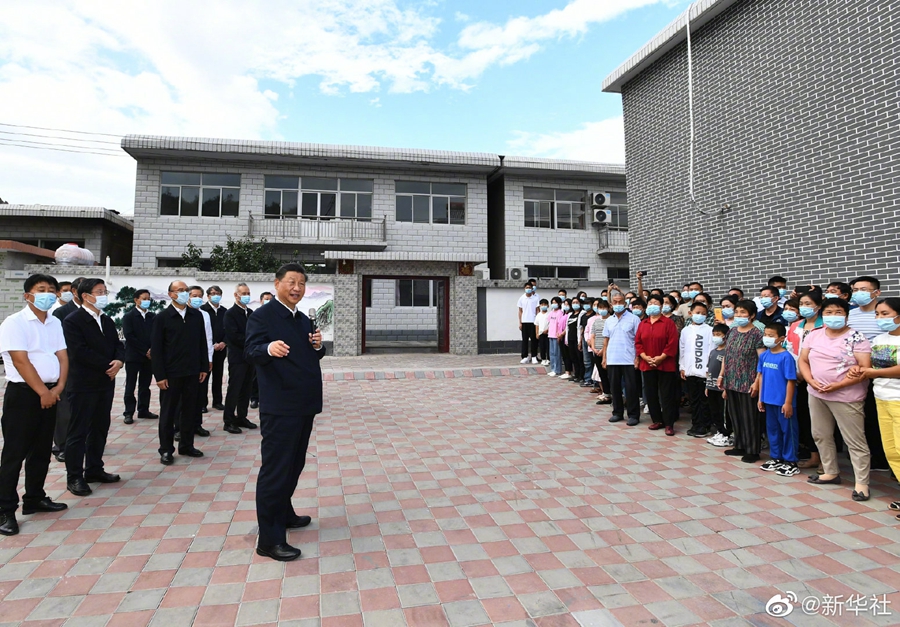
x: 246, y: 424
x: 44, y: 505
x: 205, y: 410
x: 129, y: 419
x: 616, y: 418
x: 8, y: 525
x: 691, y: 433
x: 298, y: 522
x: 232, y: 429
x: 78, y: 487
x: 102, y: 477
x: 149, y: 415
x: 750, y: 458
x: 280, y: 552
x: 177, y: 436
x: 190, y: 452
x: 61, y: 457
x: 633, y: 422
x: 219, y: 406
x: 203, y: 433
x: 707, y: 433
x: 254, y: 404
x: 736, y: 452
x: 166, y: 459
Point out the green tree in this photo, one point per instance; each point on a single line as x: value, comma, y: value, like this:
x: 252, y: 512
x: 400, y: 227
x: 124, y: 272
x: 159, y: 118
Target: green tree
x: 124, y: 303
x: 192, y: 257
x: 243, y: 255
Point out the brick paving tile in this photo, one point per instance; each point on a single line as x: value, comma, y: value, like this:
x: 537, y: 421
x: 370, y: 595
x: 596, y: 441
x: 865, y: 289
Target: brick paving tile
x: 437, y: 501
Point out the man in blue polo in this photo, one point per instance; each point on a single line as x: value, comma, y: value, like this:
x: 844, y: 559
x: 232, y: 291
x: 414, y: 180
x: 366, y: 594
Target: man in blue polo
x: 620, y: 360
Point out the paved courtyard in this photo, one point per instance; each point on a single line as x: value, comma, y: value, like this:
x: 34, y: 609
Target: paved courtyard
x: 451, y: 496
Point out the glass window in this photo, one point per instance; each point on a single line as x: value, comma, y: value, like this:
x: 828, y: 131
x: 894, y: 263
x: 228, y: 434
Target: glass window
x: 328, y: 208
x: 230, y: 199
x: 440, y: 210
x: 457, y: 210
x: 180, y: 178
x: 190, y: 201
x: 273, y: 204
x: 168, y: 204
x: 578, y: 215
x: 549, y: 208
x: 364, y: 206
x: 421, y: 209
x: 449, y: 189
x: 222, y: 180
x: 289, y: 204
x: 534, y: 193
x: 282, y: 182
x: 565, y: 272
x: 211, y: 200
x: 404, y: 293
x: 413, y: 187
x: 404, y: 208
x: 618, y: 198
x: 348, y: 205
x: 357, y: 185
x: 542, y: 272
x: 311, y: 182
x: 438, y: 203
x: 414, y: 293
x: 421, y: 293
x: 546, y: 215
x: 563, y: 215
x: 310, y: 205
x: 567, y: 194
x: 192, y: 194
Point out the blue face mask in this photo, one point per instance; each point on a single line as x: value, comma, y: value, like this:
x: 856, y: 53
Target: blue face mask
x: 861, y: 298
x: 685, y: 295
x: 638, y: 312
x: 603, y: 312
x: 576, y: 306
x: 245, y: 300
x: 215, y: 299
x: 43, y: 301
x: 196, y: 302
x: 554, y: 306
x: 742, y: 322
x: 654, y: 310
x: 887, y: 324
x: 789, y: 315
x: 66, y: 297
x: 727, y: 312
x: 145, y: 304
x: 835, y: 323
x: 808, y: 312
x: 829, y: 295
x: 782, y: 292
x: 769, y: 342
x: 528, y: 292
x: 698, y: 318
x: 693, y: 294
x: 604, y: 298
x: 100, y: 302
x: 543, y: 307
x: 182, y: 298
x: 565, y: 308
x: 717, y: 340
x: 618, y: 308
x: 766, y: 302
x: 667, y: 309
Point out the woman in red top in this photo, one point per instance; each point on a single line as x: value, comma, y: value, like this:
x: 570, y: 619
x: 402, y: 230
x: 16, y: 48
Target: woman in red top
x: 656, y: 345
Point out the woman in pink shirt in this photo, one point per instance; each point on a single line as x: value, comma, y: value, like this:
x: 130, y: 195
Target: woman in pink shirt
x: 555, y: 316
x: 828, y: 361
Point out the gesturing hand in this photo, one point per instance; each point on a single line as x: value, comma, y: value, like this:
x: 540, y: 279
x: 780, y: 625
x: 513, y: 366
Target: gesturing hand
x: 279, y: 349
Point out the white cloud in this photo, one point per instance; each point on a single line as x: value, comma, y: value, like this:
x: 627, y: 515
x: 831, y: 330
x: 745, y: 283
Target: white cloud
x: 602, y: 141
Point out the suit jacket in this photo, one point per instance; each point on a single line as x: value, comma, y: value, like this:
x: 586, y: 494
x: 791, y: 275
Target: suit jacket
x: 235, y: 333
x: 65, y: 310
x: 292, y: 385
x: 217, y: 320
x: 137, y: 329
x: 91, y: 350
x: 178, y: 345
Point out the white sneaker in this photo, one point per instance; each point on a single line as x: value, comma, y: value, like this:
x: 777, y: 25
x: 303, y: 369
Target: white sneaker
x: 565, y: 375
x: 546, y: 362
x: 713, y: 439
x: 535, y: 360
x: 525, y: 360
x: 551, y: 374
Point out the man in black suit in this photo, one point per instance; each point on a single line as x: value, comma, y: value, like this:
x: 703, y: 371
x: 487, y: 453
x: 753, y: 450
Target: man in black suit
x: 63, y: 411
x: 286, y: 348
x: 240, y: 373
x: 217, y: 320
x: 137, y: 326
x: 95, y: 357
x: 180, y: 363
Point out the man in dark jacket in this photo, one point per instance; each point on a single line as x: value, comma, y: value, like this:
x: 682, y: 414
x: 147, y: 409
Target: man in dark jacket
x: 217, y: 320
x: 240, y: 372
x: 180, y: 363
x: 95, y: 357
x: 63, y: 411
x: 137, y: 326
x: 286, y: 348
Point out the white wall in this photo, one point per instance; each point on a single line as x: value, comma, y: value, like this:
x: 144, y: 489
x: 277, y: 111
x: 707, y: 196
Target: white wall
x: 503, y: 312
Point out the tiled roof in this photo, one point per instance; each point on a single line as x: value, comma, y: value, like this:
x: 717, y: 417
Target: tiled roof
x: 64, y: 211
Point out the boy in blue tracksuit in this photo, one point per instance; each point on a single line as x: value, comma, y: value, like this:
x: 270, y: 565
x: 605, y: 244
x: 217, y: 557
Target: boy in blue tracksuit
x: 777, y: 381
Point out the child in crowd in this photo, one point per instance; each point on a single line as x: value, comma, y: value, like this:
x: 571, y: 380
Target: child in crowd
x: 694, y: 346
x: 556, y: 364
x: 541, y: 327
x: 596, y: 343
x: 776, y: 380
x: 714, y: 393
x: 562, y: 325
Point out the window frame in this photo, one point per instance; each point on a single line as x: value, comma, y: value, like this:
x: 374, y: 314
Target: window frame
x: 224, y: 190
x: 304, y: 192
x: 582, y: 270
x: 452, y: 205
x: 432, y: 293
x: 533, y: 206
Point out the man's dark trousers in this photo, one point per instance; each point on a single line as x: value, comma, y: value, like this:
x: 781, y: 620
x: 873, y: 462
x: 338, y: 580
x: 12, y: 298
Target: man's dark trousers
x: 284, y: 443
x: 88, y: 430
x: 181, y: 395
x: 701, y: 419
x: 140, y: 373
x: 216, y: 375
x: 626, y: 376
x: 529, y: 340
x: 61, y: 430
x: 237, y: 399
x: 27, y: 437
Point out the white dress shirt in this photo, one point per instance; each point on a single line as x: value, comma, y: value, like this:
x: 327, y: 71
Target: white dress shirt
x: 208, y: 325
x: 23, y: 331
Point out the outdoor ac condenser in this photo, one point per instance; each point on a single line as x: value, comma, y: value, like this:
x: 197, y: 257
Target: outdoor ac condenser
x: 602, y: 217
x: 599, y: 200
x: 516, y: 274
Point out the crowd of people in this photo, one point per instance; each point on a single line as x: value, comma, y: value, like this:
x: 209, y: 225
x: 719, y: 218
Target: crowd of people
x: 777, y: 369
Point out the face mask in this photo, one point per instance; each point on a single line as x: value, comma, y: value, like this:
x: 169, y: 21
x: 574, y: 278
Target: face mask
x: 887, y: 324
x: 862, y: 298
x: 766, y: 302
x: 101, y: 301
x: 576, y: 306
x: 565, y: 308
x: 554, y: 306
x: 685, y: 295
x: 808, y: 312
x: 769, y: 342
x: 830, y: 295
x: 782, y: 292
x: 43, y: 301
x: 245, y: 300
x: 618, y: 308
x: 603, y: 312
x: 742, y: 322
x: 145, y: 304
x: 561, y: 297
x: 66, y: 297
x: 196, y: 302
x: 667, y: 309
x: 528, y: 292
x: 728, y: 312
x: 790, y: 316
x: 693, y: 293
x: 604, y: 298
x: 182, y: 298
x: 718, y: 341
x: 638, y: 312
x: 699, y: 318
x: 215, y: 299
x: 653, y: 310
x: 543, y: 307
x: 265, y: 301
x: 834, y: 322
x: 596, y: 310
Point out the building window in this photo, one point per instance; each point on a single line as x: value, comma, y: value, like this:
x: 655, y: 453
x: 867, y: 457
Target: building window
x: 558, y: 272
x: 619, y: 276
x: 318, y: 198
x: 193, y: 194
x: 619, y: 217
x: 435, y: 203
x: 415, y: 293
x: 554, y: 208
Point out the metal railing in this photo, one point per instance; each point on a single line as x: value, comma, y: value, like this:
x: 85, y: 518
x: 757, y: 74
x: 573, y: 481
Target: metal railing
x: 329, y: 229
x: 613, y: 241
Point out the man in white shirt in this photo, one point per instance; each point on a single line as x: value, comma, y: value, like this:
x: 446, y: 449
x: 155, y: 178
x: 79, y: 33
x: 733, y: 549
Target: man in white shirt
x: 528, y: 305
x: 64, y: 296
x: 37, y: 366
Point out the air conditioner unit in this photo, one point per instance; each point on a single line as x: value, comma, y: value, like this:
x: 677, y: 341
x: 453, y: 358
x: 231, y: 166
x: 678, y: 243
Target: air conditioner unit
x: 602, y: 217
x: 599, y: 200
x: 516, y: 274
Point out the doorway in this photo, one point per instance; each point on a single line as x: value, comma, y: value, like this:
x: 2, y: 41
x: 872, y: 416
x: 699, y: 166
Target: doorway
x: 405, y: 314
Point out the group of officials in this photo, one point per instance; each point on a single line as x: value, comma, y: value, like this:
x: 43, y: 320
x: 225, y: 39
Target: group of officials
x: 61, y: 372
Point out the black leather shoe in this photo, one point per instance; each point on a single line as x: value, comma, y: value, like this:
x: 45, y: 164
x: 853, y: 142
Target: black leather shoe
x: 280, y: 552
x: 44, y: 505
x: 148, y: 415
x: 247, y: 424
x: 190, y: 452
x: 254, y: 404
x: 203, y: 433
x: 205, y: 410
x: 298, y: 522
x: 9, y: 526
x: 78, y: 487
x: 129, y: 419
x: 61, y: 457
x: 167, y: 459
x: 232, y: 429
x: 219, y: 406
x: 103, y: 477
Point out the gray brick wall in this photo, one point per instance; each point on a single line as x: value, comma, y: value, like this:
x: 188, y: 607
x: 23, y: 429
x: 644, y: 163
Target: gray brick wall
x: 386, y: 321
x: 796, y: 107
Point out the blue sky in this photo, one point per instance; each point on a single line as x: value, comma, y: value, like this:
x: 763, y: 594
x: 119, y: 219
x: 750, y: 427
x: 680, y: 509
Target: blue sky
x: 503, y: 77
